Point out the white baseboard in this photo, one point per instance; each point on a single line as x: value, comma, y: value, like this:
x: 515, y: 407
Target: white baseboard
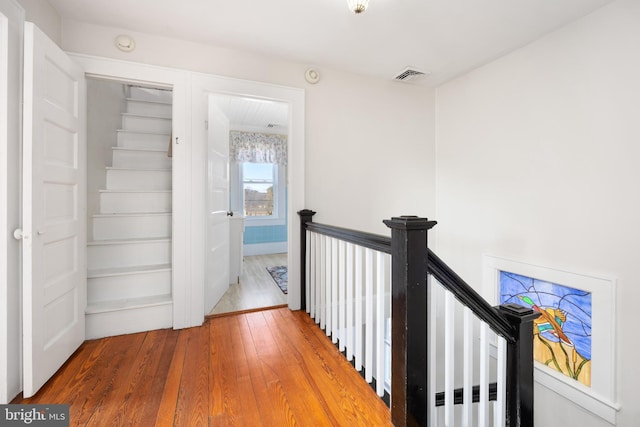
x: 264, y: 248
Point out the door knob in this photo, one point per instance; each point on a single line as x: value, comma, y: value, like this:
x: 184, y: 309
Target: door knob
x: 229, y: 213
x: 18, y: 234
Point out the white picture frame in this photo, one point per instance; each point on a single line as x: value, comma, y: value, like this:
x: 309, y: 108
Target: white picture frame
x: 600, y: 397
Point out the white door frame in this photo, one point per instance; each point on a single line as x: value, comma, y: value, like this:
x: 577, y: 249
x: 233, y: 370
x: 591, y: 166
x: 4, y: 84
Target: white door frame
x: 11, y: 57
x: 204, y: 85
x: 178, y: 80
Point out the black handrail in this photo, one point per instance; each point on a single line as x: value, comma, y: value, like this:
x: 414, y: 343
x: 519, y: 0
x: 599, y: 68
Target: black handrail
x: 469, y: 297
x: 367, y: 240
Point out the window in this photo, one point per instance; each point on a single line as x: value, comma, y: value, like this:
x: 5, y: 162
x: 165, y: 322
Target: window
x: 259, y: 182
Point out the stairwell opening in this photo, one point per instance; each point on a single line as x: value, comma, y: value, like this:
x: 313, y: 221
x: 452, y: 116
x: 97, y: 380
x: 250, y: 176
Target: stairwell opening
x: 129, y: 199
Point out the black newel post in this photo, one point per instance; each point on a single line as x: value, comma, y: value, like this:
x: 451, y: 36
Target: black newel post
x: 306, y: 216
x: 409, y: 320
x: 520, y: 366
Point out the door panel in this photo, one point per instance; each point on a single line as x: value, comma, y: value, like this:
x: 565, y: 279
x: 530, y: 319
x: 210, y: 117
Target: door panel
x: 54, y: 208
x: 217, y: 262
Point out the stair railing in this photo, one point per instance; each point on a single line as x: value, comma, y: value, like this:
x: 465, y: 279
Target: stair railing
x: 380, y: 319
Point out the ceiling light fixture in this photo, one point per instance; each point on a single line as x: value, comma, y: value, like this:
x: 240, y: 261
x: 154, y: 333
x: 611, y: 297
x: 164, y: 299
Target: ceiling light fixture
x: 358, y: 6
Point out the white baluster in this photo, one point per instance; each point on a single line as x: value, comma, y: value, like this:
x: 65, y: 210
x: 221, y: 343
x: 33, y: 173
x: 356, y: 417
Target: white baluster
x: 359, y: 302
x: 349, y: 300
x: 322, y: 284
x: 499, y: 413
x: 483, y: 405
x: 368, y: 324
x: 467, y: 406
x: 308, y: 274
x: 381, y: 277
x: 433, y: 347
x: 342, y: 298
x: 335, y: 296
x: 327, y: 285
x: 449, y: 357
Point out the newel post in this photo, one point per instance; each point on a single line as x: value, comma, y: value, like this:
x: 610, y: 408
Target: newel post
x: 306, y: 216
x: 409, y: 320
x: 519, y: 404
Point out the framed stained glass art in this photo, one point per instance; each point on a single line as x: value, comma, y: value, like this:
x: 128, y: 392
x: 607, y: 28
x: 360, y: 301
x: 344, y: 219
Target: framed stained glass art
x: 574, y: 336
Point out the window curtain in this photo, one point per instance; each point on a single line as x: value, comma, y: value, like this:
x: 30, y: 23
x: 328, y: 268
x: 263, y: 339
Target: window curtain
x: 257, y: 147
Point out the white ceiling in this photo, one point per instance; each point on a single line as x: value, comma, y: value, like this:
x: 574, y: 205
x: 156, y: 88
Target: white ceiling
x: 443, y: 37
x: 254, y: 115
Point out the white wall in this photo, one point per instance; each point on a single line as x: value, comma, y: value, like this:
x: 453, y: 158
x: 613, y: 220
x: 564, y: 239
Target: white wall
x: 378, y: 134
x: 537, y: 161
x: 45, y: 17
x: 106, y: 100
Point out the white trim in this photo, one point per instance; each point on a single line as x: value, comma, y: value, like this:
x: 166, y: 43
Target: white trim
x: 264, y: 248
x: 204, y: 85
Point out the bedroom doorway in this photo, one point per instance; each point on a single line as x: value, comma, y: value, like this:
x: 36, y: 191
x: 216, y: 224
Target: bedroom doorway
x: 258, y: 205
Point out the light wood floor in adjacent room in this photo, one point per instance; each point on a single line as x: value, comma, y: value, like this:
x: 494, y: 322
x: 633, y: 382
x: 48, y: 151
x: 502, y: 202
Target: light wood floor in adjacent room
x: 256, y: 288
x: 268, y: 368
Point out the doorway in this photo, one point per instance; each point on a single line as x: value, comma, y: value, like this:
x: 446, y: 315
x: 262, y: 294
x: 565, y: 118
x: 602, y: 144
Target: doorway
x: 258, y: 205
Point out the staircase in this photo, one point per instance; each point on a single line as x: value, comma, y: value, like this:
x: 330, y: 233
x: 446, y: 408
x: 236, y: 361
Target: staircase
x: 129, y: 258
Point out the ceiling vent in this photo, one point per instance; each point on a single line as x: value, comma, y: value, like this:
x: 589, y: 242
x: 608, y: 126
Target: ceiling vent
x: 273, y: 125
x: 409, y: 74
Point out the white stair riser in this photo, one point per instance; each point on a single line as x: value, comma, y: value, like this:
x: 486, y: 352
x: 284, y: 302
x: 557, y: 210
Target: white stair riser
x: 108, y: 324
x: 141, y: 159
x: 135, y: 202
x: 131, y: 227
x: 128, y: 254
x: 146, y: 124
x: 126, y: 286
x: 148, y: 108
x: 130, y: 179
x: 150, y: 94
x: 151, y: 141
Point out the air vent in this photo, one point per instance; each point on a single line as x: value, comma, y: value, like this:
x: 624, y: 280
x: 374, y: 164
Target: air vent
x: 409, y: 74
x: 273, y: 125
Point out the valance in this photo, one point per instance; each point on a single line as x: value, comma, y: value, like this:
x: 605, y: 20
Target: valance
x: 257, y: 147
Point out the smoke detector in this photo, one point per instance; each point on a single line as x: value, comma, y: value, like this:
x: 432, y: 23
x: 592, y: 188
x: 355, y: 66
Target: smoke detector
x: 409, y: 74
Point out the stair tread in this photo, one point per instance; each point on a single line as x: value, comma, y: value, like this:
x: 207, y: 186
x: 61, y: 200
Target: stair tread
x: 119, y: 271
x: 144, y: 116
x: 111, y: 168
x: 134, y: 191
x: 143, y: 132
x: 126, y: 241
x: 126, y: 214
x: 149, y: 101
x: 128, y: 303
x: 153, y: 150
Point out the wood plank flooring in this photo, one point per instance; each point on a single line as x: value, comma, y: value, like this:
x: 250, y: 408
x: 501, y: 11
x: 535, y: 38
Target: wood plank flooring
x: 264, y: 368
x: 256, y: 288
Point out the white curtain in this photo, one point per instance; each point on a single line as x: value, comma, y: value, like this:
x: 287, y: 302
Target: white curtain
x: 257, y: 147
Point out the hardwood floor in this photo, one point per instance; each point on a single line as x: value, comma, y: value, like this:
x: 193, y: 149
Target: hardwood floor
x: 256, y: 288
x: 265, y: 368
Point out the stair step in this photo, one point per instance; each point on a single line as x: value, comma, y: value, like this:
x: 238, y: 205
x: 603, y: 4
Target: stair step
x: 149, y: 108
x: 138, y: 179
x: 136, y: 122
x: 131, y: 226
x: 104, y: 254
x: 150, y: 94
x: 127, y: 271
x: 127, y: 316
x: 143, y: 140
x: 140, y: 158
x: 134, y: 201
x: 124, y: 283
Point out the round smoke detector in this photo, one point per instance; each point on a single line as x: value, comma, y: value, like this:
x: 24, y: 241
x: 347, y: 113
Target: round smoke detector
x: 125, y: 43
x: 312, y: 76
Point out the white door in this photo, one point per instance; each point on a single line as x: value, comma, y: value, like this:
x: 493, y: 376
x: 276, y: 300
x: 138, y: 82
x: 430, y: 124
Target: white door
x: 217, y: 262
x: 54, y: 208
